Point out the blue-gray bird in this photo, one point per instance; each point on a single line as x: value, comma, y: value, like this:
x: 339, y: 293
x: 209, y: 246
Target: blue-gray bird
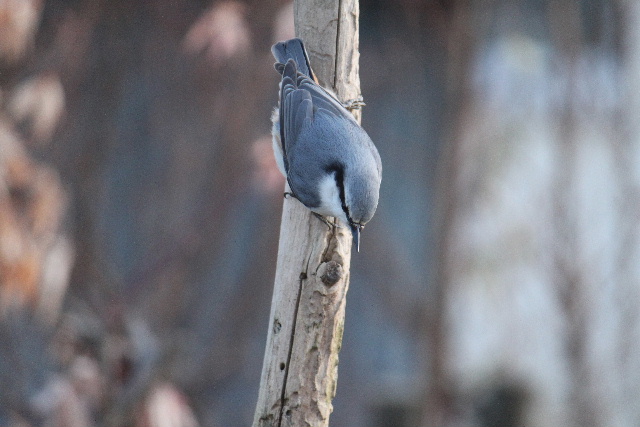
x: 330, y: 162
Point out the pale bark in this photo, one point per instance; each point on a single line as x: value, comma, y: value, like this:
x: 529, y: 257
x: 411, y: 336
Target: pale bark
x: 300, y: 369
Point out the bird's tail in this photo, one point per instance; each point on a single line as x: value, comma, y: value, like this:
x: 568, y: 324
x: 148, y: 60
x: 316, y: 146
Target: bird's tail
x: 292, y: 49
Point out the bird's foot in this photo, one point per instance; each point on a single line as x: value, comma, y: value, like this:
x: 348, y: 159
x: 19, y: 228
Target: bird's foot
x: 323, y: 219
x: 287, y: 193
x: 354, y: 104
x: 326, y: 221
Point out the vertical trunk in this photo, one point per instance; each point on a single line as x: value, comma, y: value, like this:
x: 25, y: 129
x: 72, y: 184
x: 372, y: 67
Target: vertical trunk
x: 299, y: 373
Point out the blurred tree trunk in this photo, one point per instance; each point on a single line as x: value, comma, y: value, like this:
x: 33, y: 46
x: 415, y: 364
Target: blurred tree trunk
x: 539, y: 201
x: 460, y: 43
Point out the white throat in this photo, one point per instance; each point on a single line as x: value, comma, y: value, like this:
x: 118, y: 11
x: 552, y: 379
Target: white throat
x: 330, y: 204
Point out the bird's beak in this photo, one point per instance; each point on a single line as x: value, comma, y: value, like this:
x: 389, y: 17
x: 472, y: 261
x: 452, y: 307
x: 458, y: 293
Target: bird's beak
x: 355, y: 231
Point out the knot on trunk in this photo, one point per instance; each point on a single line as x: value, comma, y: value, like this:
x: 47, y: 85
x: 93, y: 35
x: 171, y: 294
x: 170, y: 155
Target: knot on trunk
x: 331, y: 272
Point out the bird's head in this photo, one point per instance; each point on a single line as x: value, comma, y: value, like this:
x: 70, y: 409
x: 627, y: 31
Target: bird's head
x: 361, y: 201
x: 351, y: 195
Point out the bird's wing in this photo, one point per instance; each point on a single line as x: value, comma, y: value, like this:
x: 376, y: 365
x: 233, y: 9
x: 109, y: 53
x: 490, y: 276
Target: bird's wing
x: 296, y: 108
x: 301, y: 102
x: 322, y: 99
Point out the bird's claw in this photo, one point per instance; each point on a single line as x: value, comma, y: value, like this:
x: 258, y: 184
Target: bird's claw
x: 326, y: 221
x: 354, y: 104
x: 317, y: 215
x: 323, y: 219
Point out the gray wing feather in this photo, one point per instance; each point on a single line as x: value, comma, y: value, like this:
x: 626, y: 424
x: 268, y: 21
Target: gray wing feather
x: 323, y: 99
x: 298, y: 109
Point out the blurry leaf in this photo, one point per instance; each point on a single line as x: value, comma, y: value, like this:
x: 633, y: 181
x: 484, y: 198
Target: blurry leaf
x: 266, y: 175
x: 221, y: 32
x: 166, y: 406
x: 37, y: 105
x: 18, y: 25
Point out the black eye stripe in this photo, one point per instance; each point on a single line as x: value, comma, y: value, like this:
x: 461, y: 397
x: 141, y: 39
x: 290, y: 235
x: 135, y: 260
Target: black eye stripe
x: 338, y: 171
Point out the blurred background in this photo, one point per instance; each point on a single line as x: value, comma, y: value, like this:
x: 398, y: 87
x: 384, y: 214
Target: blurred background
x: 498, y: 284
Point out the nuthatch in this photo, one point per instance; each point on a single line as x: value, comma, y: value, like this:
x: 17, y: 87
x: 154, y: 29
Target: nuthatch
x: 330, y: 162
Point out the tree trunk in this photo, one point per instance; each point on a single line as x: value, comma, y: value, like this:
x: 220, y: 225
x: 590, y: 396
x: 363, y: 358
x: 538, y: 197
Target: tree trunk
x: 300, y: 369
